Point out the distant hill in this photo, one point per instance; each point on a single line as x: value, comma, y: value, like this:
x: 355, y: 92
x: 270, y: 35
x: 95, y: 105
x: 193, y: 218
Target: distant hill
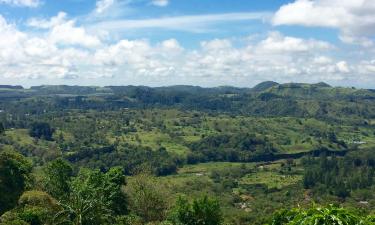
x: 265, y: 99
x: 322, y: 84
x: 265, y: 91
x: 319, y: 91
x: 186, y: 89
x: 264, y: 86
x: 16, y: 87
x: 66, y: 89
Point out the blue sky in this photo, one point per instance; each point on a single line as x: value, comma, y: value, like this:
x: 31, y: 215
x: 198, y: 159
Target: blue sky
x: 197, y: 42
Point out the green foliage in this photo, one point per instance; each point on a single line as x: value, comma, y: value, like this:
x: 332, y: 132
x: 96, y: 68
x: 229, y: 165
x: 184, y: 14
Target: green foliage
x: 202, y: 211
x: 264, y: 86
x: 129, y: 220
x: 12, y: 218
x: 57, y: 176
x: 170, y: 131
x: 41, y: 130
x: 340, y: 176
x: 2, y: 128
x: 37, y: 198
x: 370, y: 219
x: 129, y: 157
x: 37, y: 208
x: 114, y: 180
x: 14, y: 175
x: 94, y: 198
x: 34, y: 208
x: 147, y: 199
x: 329, y: 215
x: 239, y: 147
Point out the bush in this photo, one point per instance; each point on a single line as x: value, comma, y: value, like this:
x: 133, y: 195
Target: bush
x: 203, y: 211
x: 330, y: 215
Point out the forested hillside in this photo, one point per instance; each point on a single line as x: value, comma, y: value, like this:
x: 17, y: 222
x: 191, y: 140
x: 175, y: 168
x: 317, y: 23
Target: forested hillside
x: 87, y: 155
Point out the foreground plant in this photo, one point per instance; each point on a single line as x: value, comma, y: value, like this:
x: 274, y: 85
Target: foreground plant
x: 330, y: 215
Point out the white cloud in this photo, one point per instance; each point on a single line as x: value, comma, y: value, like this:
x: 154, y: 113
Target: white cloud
x: 45, y: 24
x: 51, y: 55
x: 354, y: 19
x: 276, y: 42
x: 216, y: 44
x: 68, y: 34
x: 160, y: 3
x: 367, y: 67
x: 64, y: 31
x: 34, y: 56
x: 172, y: 44
x: 322, y: 60
x: 194, y: 23
x: 343, y: 67
x: 357, y: 40
x: 22, y: 3
x: 103, y: 5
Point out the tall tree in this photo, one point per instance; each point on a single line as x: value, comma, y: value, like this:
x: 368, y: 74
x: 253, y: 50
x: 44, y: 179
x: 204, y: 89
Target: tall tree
x: 147, y: 199
x: 95, y: 198
x: 41, y: 130
x: 57, y: 175
x: 2, y: 128
x: 14, y: 174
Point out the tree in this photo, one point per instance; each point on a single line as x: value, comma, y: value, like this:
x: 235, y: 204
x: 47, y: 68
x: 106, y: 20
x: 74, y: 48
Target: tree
x: 2, y: 128
x: 114, y: 180
x: 202, y: 211
x: 94, y: 198
x: 14, y: 174
x: 41, y: 130
x: 57, y: 175
x: 146, y: 198
x: 34, y: 207
x: 308, y: 179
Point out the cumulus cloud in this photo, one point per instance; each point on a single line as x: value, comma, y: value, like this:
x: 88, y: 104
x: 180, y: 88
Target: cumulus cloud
x: 160, y: 3
x: 367, y: 67
x: 322, y: 60
x: 343, y: 67
x: 47, y: 23
x: 172, y: 44
x: 68, y: 34
x: 28, y: 55
x: 51, y: 54
x: 64, y: 31
x: 21, y: 3
x: 354, y: 19
x: 276, y: 42
x: 220, y: 61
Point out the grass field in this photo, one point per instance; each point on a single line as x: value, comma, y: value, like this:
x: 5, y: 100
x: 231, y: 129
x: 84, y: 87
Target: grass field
x: 271, y: 179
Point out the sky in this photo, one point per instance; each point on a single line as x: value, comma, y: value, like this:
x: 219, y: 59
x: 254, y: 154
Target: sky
x: 191, y: 42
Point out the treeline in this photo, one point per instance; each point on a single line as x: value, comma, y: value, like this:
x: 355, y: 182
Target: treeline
x: 215, y: 148
x: 239, y: 147
x: 340, y: 176
x: 130, y: 158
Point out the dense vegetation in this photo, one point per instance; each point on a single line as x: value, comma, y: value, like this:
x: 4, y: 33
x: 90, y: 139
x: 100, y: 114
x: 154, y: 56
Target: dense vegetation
x: 186, y: 155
